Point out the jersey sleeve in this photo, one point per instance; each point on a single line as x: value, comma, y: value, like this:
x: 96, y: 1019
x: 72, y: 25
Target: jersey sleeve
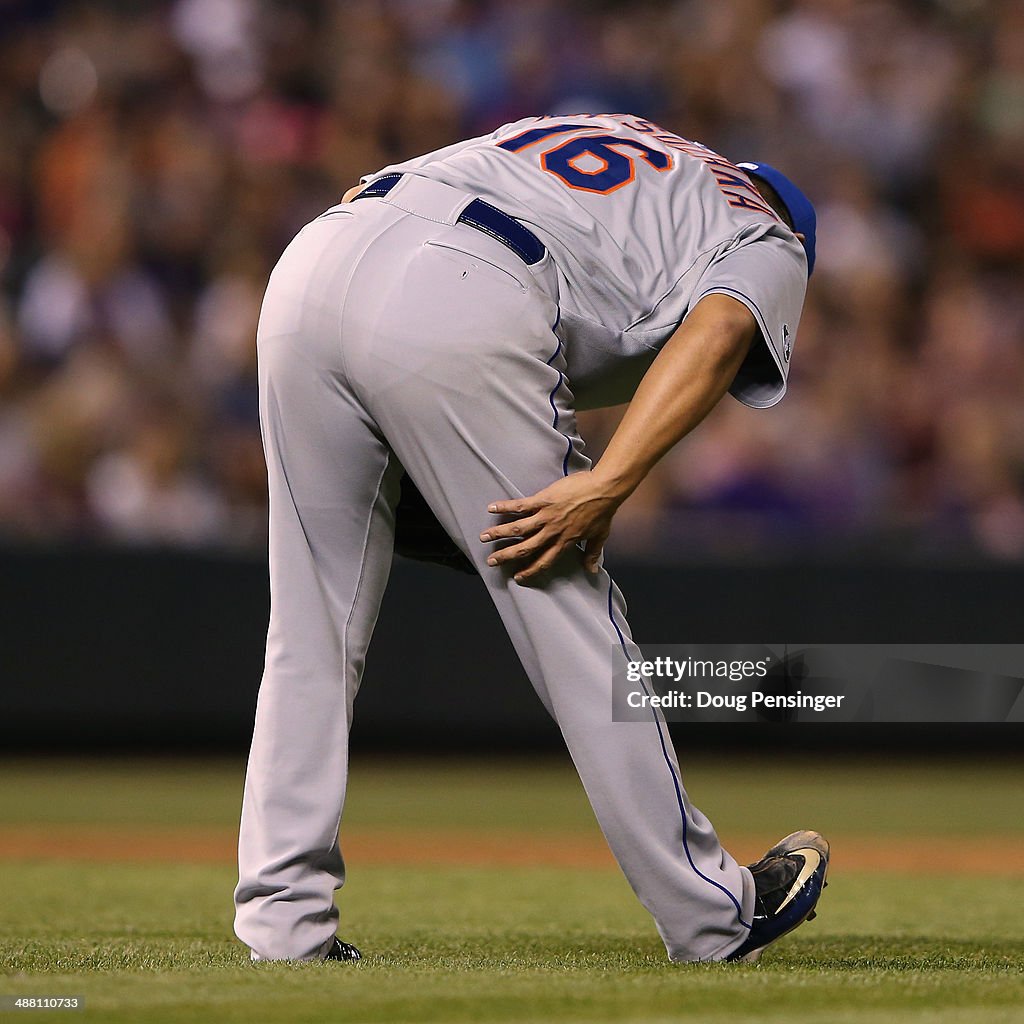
x: 769, y: 276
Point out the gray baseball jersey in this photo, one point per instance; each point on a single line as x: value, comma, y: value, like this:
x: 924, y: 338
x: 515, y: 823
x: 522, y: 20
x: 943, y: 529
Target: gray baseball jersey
x: 642, y: 224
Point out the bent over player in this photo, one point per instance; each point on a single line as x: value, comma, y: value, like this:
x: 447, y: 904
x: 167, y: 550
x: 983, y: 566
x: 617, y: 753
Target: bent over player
x: 435, y: 333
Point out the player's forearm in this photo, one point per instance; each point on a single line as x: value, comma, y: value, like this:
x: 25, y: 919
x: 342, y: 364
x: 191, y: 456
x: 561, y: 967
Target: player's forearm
x: 684, y: 383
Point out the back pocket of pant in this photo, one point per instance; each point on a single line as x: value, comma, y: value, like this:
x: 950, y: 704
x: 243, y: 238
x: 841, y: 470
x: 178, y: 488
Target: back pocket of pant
x: 473, y: 264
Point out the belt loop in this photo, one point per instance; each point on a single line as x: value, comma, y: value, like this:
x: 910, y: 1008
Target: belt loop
x: 476, y: 214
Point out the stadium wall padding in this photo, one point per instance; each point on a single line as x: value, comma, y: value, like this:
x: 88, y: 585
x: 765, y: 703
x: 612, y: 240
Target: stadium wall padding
x: 117, y: 648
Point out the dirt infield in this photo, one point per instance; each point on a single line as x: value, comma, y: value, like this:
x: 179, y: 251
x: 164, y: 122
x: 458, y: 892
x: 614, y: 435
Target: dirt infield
x: 992, y: 855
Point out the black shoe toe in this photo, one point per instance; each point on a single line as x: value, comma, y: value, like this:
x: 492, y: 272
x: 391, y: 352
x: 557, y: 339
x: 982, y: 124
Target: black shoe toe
x: 343, y: 951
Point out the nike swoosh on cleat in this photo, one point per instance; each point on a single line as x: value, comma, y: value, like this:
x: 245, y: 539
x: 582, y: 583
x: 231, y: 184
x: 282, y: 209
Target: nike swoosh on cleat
x: 812, y: 860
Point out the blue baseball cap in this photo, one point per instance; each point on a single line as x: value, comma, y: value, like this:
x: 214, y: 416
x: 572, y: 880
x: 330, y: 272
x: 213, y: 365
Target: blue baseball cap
x: 801, y: 211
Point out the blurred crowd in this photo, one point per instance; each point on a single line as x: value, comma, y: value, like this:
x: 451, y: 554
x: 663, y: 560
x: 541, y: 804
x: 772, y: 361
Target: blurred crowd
x: 157, y: 157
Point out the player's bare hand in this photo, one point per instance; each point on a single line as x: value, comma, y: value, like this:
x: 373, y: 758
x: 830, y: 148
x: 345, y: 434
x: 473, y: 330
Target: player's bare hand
x: 576, y: 508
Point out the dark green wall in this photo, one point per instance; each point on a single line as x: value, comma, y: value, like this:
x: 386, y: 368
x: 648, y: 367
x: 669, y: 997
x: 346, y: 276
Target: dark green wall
x: 129, y: 649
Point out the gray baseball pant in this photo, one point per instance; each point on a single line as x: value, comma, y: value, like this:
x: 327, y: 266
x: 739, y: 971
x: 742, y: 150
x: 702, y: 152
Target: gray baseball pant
x: 391, y: 337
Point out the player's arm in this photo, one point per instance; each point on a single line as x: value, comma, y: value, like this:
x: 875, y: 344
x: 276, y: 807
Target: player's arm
x: 684, y: 383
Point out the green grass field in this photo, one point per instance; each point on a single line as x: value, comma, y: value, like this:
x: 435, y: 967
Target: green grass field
x: 477, y: 942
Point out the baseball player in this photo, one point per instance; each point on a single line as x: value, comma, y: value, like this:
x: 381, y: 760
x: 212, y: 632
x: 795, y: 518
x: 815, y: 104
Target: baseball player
x: 423, y: 349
